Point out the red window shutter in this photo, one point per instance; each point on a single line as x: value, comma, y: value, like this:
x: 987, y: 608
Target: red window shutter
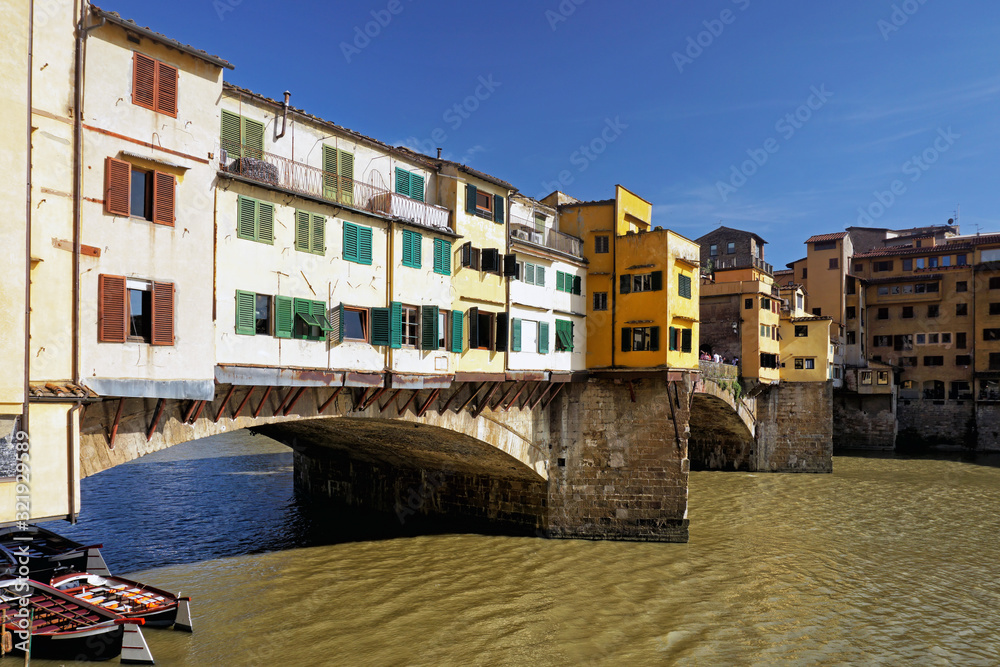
x: 143, y: 81
x: 163, y: 314
x: 117, y: 182
x: 111, y: 309
x: 166, y: 89
x: 164, y: 186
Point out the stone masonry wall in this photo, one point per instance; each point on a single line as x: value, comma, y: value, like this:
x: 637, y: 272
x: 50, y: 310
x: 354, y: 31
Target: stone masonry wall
x: 863, y: 422
x: 619, y: 470
x: 795, y: 428
x: 988, y: 426
x: 925, y: 423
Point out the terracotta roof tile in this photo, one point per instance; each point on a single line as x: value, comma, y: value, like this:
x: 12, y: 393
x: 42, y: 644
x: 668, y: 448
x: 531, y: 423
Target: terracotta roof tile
x: 64, y: 390
x: 826, y: 237
x: 908, y: 250
x: 129, y: 24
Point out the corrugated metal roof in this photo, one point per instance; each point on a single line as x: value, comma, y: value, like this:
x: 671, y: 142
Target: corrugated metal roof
x: 128, y: 24
x: 826, y: 237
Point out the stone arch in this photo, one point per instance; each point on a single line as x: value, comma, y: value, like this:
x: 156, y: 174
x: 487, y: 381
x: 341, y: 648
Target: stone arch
x: 722, y: 431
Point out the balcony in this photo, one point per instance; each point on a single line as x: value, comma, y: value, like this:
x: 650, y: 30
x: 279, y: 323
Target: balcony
x: 280, y: 172
x: 744, y: 262
x: 522, y: 231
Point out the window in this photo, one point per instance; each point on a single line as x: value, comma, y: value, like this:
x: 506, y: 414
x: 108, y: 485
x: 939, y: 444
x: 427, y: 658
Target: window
x: 357, y: 243
x: 902, y: 343
x: 932, y: 262
x: 241, y: 137
x: 524, y: 336
x: 994, y: 361
x: 800, y: 302
x: 907, y: 312
x: 825, y: 245
x: 961, y: 309
x: 934, y: 361
x: 338, y: 175
x: 409, y: 184
x: 410, y: 326
x: 851, y: 312
x: 641, y: 282
x: 310, y: 319
x: 963, y: 360
x: 262, y: 314
x: 882, y: 341
x: 533, y: 274
x: 442, y: 257
x: 803, y: 363
x: 482, y: 330
x: 540, y: 223
x: 154, y: 85
x: 134, y: 310
x: 748, y: 304
x: 946, y: 338
x: 679, y: 339
x: 834, y: 263
x: 713, y: 250
x: 866, y: 377
x: 962, y: 285
x: 355, y: 324
x: 921, y: 339
x: 801, y: 330
x: 907, y: 264
x: 470, y: 256
x: 564, y: 336
x: 933, y: 339
x: 882, y: 377
x: 640, y: 339
x: 684, y: 286
x: 995, y: 309
x: 909, y: 362
x: 960, y: 260
x: 253, y: 314
x: 601, y: 244
x: 995, y: 282
x: 600, y: 300
x: 765, y: 331
x: 730, y: 248
x: 310, y: 232
x: 765, y: 303
x: 491, y: 260
x: 883, y: 290
x: 991, y: 334
x: 921, y: 262
x: 933, y: 310
x: 411, y: 248
x: 142, y: 194
x: 882, y: 314
x: 255, y: 220
x: 818, y: 312
x: 567, y: 282
x: 858, y: 267
x: 483, y: 204
x: 768, y: 360
x: 442, y: 330
x: 805, y: 273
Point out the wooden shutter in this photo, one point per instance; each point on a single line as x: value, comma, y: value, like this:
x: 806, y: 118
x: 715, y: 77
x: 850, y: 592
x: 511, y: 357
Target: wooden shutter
x: 302, y: 230
x: 166, y: 89
x: 350, y: 241
x: 429, y: 328
x: 540, y: 275
x: 253, y: 138
x: 529, y: 273
x: 543, y: 337
x: 657, y: 280
x: 470, y: 198
x: 473, y: 328
x: 337, y: 324
x: 246, y: 213
x: 416, y: 243
x: 163, y: 314
x: 500, y: 342
x: 231, y: 134
x: 112, y: 309
x: 515, y: 335
x: 457, y: 320
x: 467, y: 253
x: 284, y: 317
x: 672, y: 340
x: 143, y: 81
x: 329, y: 172
x: 417, y: 187
x: 117, y: 186
x: 684, y: 286
x: 498, y: 208
x: 302, y: 310
x: 491, y: 259
x: 442, y: 257
x: 626, y: 339
x: 560, y: 281
x: 577, y: 285
x: 164, y: 189
x: 318, y: 234
x: 407, y: 248
x: 510, y: 266
x: 364, y: 245
x: 625, y: 284
x: 685, y: 340
x: 402, y: 181
x: 346, y: 178
x: 265, y: 226
x: 654, y: 339
x: 380, y: 326
x: 246, y: 313
x: 395, y: 325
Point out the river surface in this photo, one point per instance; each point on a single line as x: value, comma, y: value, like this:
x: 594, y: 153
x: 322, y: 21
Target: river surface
x: 887, y: 561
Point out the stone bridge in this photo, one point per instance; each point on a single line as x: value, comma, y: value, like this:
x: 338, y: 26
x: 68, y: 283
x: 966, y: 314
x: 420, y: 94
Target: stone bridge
x: 603, y: 457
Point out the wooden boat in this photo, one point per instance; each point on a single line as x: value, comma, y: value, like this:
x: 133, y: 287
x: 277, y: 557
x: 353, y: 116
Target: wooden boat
x: 157, y: 607
x: 65, y: 628
x: 48, y: 553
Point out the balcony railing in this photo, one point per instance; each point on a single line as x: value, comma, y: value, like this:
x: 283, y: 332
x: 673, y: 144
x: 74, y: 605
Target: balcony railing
x: 270, y: 169
x: 715, y: 263
x: 524, y: 232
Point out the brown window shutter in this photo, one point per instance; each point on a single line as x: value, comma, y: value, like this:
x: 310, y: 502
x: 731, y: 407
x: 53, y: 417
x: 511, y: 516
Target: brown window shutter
x: 143, y: 81
x: 166, y: 89
x: 117, y: 181
x: 163, y: 314
x: 164, y: 186
x: 111, y: 309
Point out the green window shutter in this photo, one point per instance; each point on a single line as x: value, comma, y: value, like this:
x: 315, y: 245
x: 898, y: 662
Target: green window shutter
x: 540, y: 275
x: 684, y: 286
x: 364, y: 245
x: 350, y: 242
x: 318, y: 312
x: 318, y: 234
x: 564, y: 332
x: 498, y: 208
x: 346, y: 178
x: 626, y: 339
x: 457, y: 320
x: 329, y: 172
x: 559, y: 281
x: 657, y: 280
x: 253, y: 138
x: 246, y: 319
x: 302, y: 230
x: 442, y: 257
x: 529, y: 273
x: 231, y: 132
x: 685, y: 340
x: 654, y: 339
x: 577, y: 285
x: 515, y: 335
x: 402, y: 181
x: 395, y: 325
x: 302, y: 310
x: 380, y: 326
x: 337, y: 324
x: 543, y: 337
x: 417, y: 187
x: 470, y: 198
x: 672, y: 343
x: 265, y: 226
x: 429, y: 328
x: 246, y: 213
x: 417, y: 241
x: 437, y: 255
x: 283, y: 317
x: 411, y: 248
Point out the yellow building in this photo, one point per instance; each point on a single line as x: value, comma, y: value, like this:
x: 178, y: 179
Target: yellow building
x: 806, y: 353
x: 644, y: 284
x: 986, y: 294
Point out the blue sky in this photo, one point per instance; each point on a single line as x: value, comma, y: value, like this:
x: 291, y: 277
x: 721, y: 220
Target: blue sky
x: 784, y: 118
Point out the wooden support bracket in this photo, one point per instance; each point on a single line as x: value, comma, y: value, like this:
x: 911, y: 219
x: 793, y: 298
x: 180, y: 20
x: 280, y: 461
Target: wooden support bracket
x: 158, y: 413
x: 291, y: 390
x: 263, y: 400
x: 430, y: 399
x: 330, y: 400
x: 197, y: 413
x: 514, y: 400
x: 486, y: 401
x: 391, y: 399
x: 471, y: 396
x: 542, y: 395
x: 554, y: 394
x: 410, y: 400
x: 374, y: 397
x: 441, y: 410
x: 631, y: 391
x: 243, y: 403
x: 114, y: 426
x: 225, y: 402
x: 503, y: 398
x: 295, y: 399
x: 190, y: 411
x: 358, y: 404
x: 531, y: 394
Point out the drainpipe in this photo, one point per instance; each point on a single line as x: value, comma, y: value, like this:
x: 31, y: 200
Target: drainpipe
x: 389, y: 284
x: 71, y: 463
x: 27, y: 244
x: 284, y: 116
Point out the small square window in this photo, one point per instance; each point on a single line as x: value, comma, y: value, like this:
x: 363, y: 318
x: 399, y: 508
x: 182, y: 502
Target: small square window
x: 600, y: 300
x: 356, y: 324
x: 601, y: 244
x: 411, y: 326
x: 730, y: 248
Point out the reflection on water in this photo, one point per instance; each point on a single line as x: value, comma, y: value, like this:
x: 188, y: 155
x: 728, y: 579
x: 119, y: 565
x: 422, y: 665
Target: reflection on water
x: 887, y: 561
